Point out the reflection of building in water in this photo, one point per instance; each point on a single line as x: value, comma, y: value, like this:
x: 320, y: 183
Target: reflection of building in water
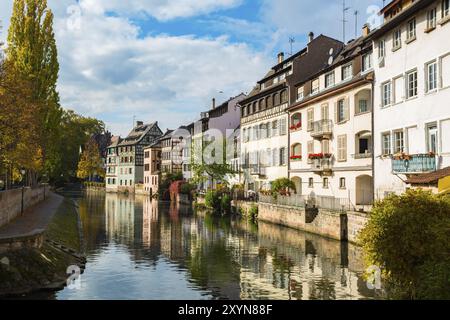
x: 295, y: 265
x: 120, y: 217
x: 149, y: 222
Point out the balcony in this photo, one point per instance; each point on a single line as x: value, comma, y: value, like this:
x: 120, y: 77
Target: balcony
x: 322, y: 165
x: 322, y: 129
x: 413, y: 164
x: 257, y: 170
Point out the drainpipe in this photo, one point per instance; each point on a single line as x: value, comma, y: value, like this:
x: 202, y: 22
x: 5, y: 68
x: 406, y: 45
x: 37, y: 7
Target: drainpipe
x: 373, y: 137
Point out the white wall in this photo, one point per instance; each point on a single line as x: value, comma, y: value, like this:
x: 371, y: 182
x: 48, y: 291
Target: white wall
x: 414, y: 114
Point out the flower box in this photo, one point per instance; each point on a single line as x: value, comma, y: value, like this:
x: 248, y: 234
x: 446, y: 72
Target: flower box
x: 296, y: 158
x: 297, y: 126
x: 315, y: 156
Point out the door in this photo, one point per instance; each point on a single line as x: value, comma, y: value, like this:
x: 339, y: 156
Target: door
x: 432, y: 139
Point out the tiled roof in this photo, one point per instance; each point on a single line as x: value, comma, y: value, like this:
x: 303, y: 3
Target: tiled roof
x: 137, y: 134
x: 428, y: 178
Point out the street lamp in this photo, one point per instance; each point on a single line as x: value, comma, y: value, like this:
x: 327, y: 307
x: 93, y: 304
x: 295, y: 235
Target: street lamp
x: 22, y: 172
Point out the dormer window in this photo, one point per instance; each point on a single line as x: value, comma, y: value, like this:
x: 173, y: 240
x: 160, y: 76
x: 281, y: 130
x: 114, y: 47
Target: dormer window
x: 300, y: 93
x: 315, y: 86
x: 367, y: 62
x: 347, y: 71
x: 329, y: 79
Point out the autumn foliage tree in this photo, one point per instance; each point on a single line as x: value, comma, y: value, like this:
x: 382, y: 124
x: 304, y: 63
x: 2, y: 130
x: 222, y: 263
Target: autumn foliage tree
x: 90, y: 163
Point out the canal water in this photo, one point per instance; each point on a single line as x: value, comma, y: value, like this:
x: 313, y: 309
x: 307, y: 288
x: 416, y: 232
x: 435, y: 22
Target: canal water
x: 140, y: 249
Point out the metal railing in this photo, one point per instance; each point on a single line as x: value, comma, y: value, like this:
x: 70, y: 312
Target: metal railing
x: 321, y: 128
x: 321, y: 202
x: 325, y: 164
x: 418, y: 163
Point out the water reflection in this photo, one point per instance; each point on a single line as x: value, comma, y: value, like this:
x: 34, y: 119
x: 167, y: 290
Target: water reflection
x: 141, y: 249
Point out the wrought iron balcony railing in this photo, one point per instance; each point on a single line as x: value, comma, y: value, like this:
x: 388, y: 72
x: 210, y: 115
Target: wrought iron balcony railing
x: 419, y: 163
x: 322, y: 128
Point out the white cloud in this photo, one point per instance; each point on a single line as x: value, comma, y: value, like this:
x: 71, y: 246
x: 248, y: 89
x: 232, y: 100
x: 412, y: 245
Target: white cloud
x: 109, y: 72
x: 162, y: 10
x: 320, y: 16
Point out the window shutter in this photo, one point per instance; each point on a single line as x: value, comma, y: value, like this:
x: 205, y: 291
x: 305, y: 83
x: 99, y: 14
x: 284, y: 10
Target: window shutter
x: 326, y: 146
x: 286, y: 155
x: 283, y: 127
x: 275, y: 157
x: 269, y: 130
x: 347, y: 109
x: 336, y: 115
x: 269, y: 158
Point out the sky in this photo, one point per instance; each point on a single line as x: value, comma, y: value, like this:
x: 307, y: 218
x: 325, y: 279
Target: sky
x: 164, y: 60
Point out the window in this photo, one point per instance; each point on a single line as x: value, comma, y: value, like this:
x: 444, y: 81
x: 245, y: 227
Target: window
x: 310, y: 114
x: 325, y: 183
x: 296, y: 120
x: 283, y: 127
x: 284, y: 96
x: 315, y: 86
x: 283, y: 156
x: 431, y: 76
x: 300, y: 93
x: 340, y: 111
x: 276, y: 99
x: 431, y: 19
x: 297, y: 150
x: 311, y: 183
x: 411, y: 35
x: 325, y: 146
x: 399, y: 142
x: 342, y: 148
x: 386, y: 143
x: 367, y: 62
x: 310, y: 149
x: 324, y: 110
x: 329, y: 80
x: 269, y: 102
x: 363, y: 106
x: 412, y: 84
x: 397, y: 39
x: 432, y: 138
x: 342, y: 184
x: 263, y: 130
x: 386, y: 91
x: 445, y: 8
x: 347, y: 72
x: 381, y: 49
x: 275, y: 131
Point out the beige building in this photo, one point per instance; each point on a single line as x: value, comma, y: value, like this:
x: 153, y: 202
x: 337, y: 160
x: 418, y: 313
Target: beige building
x: 152, y: 168
x: 331, y: 129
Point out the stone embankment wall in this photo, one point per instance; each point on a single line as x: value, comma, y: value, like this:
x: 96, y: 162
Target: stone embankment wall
x: 11, y: 201
x: 332, y: 224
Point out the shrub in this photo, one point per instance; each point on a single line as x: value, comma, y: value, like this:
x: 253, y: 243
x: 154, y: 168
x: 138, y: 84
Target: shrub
x: 212, y: 200
x: 253, y: 213
x: 187, y: 188
x: 408, y: 236
x: 226, y: 204
x: 283, y: 185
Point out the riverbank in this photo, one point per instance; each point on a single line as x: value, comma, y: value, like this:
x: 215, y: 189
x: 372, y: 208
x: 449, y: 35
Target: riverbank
x: 43, y: 267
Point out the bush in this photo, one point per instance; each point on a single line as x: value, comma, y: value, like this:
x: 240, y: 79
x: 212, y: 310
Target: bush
x: 253, y: 213
x: 282, y: 186
x: 226, y: 204
x: 187, y: 188
x: 212, y: 200
x: 408, y: 236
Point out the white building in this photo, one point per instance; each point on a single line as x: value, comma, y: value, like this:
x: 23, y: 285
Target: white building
x: 331, y: 128
x: 412, y: 92
x: 112, y: 162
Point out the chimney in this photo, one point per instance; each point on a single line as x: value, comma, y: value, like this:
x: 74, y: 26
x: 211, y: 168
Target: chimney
x: 139, y: 123
x: 311, y: 36
x: 366, y: 30
x: 280, y: 57
x: 214, y: 103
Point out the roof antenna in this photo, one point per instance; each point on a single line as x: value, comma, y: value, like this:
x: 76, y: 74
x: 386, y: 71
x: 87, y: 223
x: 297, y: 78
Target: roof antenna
x: 344, y: 11
x: 356, y: 23
x: 291, y: 42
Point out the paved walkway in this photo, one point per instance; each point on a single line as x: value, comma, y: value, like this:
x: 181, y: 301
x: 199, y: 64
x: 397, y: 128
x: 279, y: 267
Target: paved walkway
x: 34, y: 220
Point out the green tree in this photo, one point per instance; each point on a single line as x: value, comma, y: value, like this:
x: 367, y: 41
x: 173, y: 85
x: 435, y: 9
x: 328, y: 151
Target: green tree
x: 90, y: 163
x: 283, y: 185
x: 408, y: 237
x: 32, y: 50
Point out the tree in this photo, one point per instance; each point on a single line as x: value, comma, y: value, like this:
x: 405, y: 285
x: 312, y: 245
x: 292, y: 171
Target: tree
x: 283, y: 185
x: 33, y: 53
x: 408, y: 237
x: 90, y: 163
